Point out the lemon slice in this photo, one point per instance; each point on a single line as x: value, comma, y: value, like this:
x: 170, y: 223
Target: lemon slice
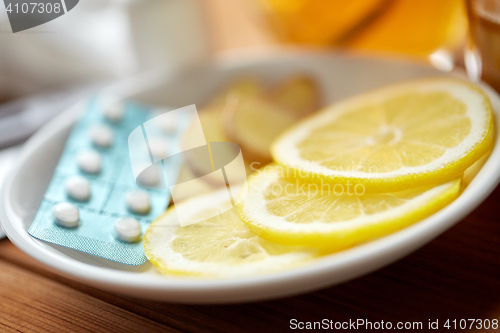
x: 286, y: 211
x: 220, y: 246
x: 411, y: 134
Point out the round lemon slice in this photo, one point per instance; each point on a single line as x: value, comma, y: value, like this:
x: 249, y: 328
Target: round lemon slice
x: 411, y: 134
x: 220, y: 246
x: 287, y: 211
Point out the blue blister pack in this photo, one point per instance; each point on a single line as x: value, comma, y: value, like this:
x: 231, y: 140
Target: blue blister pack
x: 95, y: 233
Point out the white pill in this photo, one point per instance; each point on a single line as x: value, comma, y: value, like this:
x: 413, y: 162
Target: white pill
x: 128, y: 229
x: 78, y: 188
x: 159, y: 148
x: 89, y: 161
x: 66, y: 214
x: 138, y: 202
x: 113, y: 111
x: 101, y: 135
x: 150, y: 176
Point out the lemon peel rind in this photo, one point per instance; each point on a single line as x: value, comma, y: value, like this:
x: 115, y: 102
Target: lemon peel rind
x: 157, y: 262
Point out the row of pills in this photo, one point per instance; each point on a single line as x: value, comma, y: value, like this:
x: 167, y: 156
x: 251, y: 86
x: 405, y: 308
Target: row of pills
x: 67, y: 215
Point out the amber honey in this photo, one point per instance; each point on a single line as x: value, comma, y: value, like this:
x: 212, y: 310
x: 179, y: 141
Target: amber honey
x: 401, y: 26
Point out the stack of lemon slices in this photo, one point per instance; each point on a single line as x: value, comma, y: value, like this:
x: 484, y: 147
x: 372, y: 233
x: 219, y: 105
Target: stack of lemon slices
x: 357, y: 170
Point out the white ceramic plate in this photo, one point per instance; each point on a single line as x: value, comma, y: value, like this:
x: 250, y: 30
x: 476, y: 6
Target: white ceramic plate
x: 7, y: 158
x: 339, y: 76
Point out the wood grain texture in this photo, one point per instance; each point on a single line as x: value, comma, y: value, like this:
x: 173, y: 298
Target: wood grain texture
x: 455, y: 276
x: 30, y: 302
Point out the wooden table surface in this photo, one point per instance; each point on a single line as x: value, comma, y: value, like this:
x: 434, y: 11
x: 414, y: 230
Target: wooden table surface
x: 456, y: 276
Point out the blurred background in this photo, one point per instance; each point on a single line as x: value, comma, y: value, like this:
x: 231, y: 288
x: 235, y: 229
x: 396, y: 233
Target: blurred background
x: 105, y: 40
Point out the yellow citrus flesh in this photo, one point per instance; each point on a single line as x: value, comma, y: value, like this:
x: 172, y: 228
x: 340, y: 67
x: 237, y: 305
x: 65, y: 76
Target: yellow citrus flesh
x: 221, y: 246
x: 286, y: 211
x: 411, y: 134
